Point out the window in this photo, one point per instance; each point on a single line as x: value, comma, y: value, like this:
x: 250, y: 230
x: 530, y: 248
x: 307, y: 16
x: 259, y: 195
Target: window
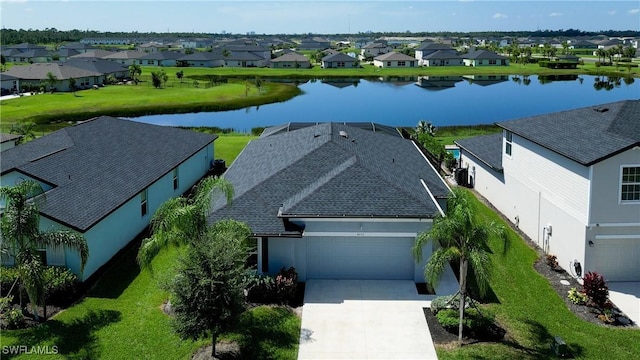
x: 508, y: 138
x: 401, y: 63
x: 388, y: 63
x: 143, y: 202
x: 175, y: 179
x: 630, y: 183
x: 492, y: 61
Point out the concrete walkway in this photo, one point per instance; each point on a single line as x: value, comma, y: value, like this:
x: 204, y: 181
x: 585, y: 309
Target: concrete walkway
x: 364, y: 319
x: 626, y: 296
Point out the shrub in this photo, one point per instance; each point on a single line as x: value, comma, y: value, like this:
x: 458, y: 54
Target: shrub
x: 10, y: 318
x: 552, y: 261
x: 260, y: 288
x: 443, y: 302
x: 286, y: 284
x: 577, y: 297
x: 473, y: 321
x: 596, y: 289
x: 8, y: 276
x: 62, y: 285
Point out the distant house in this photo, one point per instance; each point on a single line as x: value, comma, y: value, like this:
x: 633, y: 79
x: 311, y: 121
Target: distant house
x: 427, y: 48
x: 582, y: 44
x: 77, y: 46
x: 31, y: 56
x: 63, y: 54
x: 151, y: 47
x: 93, y: 54
x: 374, y: 49
x: 484, y: 58
x: 442, y: 58
x: 126, y: 57
x: 105, y: 68
x: 202, y: 59
x: 291, y: 60
x: 394, y: 60
x: 305, y: 191
x: 314, y: 44
x: 339, y: 60
x: 162, y: 58
x: 570, y: 181
x: 246, y: 59
x: 36, y: 74
x: 7, y: 141
x: 105, y: 178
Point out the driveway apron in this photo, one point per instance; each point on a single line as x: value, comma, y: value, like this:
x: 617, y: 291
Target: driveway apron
x: 364, y: 319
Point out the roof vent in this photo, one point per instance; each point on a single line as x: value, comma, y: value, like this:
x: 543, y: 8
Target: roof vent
x: 601, y: 109
x: 344, y: 134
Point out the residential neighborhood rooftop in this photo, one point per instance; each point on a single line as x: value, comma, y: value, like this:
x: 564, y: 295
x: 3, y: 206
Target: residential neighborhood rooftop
x: 487, y: 148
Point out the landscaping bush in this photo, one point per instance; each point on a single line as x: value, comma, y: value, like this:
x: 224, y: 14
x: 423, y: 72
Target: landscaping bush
x: 473, y: 323
x: 62, y: 286
x: 443, y: 302
x: 286, y: 284
x: 8, y: 275
x: 577, y: 297
x: 596, y: 289
x: 265, y: 289
x: 10, y: 317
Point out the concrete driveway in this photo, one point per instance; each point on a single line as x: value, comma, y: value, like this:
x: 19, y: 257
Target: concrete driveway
x: 626, y: 296
x: 364, y: 319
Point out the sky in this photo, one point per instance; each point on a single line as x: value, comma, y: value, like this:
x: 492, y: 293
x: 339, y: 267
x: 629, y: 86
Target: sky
x: 319, y: 17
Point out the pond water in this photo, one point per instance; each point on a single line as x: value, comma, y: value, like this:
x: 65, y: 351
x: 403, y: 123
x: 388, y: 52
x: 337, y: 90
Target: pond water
x: 441, y: 100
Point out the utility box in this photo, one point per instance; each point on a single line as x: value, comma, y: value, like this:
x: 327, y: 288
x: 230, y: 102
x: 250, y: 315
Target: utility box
x: 559, y: 347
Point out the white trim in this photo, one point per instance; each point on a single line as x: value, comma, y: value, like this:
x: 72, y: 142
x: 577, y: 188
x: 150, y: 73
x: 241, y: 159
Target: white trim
x: 352, y: 219
x: 605, y: 237
x: 432, y: 198
x: 360, y: 234
x: 614, y: 225
x: 428, y: 162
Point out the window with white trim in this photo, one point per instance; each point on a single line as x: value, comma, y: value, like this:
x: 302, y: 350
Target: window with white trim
x: 143, y: 202
x: 508, y: 142
x: 176, y: 182
x: 630, y: 184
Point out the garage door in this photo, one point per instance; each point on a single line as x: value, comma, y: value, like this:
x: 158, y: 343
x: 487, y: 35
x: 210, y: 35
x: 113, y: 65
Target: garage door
x: 359, y: 258
x: 617, y: 259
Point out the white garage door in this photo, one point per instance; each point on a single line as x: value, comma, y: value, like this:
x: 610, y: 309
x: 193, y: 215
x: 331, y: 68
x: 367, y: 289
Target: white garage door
x: 618, y: 259
x: 359, y: 258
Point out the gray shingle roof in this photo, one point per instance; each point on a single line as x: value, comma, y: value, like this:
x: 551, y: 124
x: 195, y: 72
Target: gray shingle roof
x: 293, y: 56
x: 338, y: 57
x: 39, y: 71
x: 315, y: 171
x: 586, y: 135
x: 163, y: 55
x: 486, y: 148
x: 8, y: 137
x: 98, y: 165
x: 394, y: 56
x: 441, y: 54
x: 483, y: 54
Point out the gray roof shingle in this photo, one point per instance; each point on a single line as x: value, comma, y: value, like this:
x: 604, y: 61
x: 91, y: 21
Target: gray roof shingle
x: 586, y: 135
x: 316, y: 171
x: 486, y: 148
x: 98, y: 165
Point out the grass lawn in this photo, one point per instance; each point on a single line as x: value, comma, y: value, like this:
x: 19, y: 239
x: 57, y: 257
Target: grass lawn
x: 120, y: 318
x: 136, y: 100
x: 532, y: 313
x: 448, y: 134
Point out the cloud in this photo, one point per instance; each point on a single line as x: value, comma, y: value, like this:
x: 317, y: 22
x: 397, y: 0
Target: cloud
x: 499, y: 16
x: 611, y: 12
x: 554, y: 14
x: 633, y: 11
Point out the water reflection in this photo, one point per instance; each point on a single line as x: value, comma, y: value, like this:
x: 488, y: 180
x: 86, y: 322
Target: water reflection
x: 437, y: 83
x: 486, y: 80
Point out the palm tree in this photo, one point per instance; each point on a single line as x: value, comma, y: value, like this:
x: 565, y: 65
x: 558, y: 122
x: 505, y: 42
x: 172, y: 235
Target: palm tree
x: 425, y: 127
x: 134, y: 71
x: 51, y: 80
x: 462, y: 237
x: 27, y: 131
x: 22, y: 238
x: 182, y: 220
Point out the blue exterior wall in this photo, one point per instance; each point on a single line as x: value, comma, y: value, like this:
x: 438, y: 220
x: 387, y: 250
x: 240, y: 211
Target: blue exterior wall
x: 118, y: 229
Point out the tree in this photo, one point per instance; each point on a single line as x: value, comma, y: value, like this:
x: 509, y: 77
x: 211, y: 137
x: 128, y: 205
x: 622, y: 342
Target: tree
x: 27, y: 131
x: 72, y: 85
x: 208, y: 290
x: 134, y: 72
x: 181, y: 221
x: 22, y: 239
x: 3, y: 62
x: 464, y: 238
x: 159, y: 78
x: 425, y: 127
x: 51, y: 80
x: 180, y: 75
x: 565, y: 47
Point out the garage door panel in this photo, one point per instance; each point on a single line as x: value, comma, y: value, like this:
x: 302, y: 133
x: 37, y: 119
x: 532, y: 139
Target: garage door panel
x: 618, y: 259
x: 359, y: 258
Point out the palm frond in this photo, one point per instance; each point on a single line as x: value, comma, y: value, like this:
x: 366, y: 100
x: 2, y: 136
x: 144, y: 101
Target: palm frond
x: 67, y: 239
x: 207, y: 191
x: 438, y: 262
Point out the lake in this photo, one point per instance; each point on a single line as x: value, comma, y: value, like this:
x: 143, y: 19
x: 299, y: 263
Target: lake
x: 441, y: 100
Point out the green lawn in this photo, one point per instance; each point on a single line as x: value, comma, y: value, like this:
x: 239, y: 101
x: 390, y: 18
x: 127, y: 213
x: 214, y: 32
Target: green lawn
x: 531, y: 311
x: 136, y: 100
x: 448, y: 134
x: 120, y: 318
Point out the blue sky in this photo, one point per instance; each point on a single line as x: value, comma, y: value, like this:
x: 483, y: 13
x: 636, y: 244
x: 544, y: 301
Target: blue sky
x: 326, y: 17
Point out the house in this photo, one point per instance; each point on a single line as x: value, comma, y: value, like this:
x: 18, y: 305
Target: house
x: 315, y: 43
x: 7, y: 141
x: 31, y: 56
x: 442, y: 58
x: 93, y: 54
x: 484, y: 58
x: 9, y: 84
x: 105, y: 178
x: 36, y: 74
x: 105, y: 68
x: 339, y: 60
x: 161, y: 58
x: 291, y: 60
x: 374, y: 49
x: 582, y: 44
x: 126, y: 57
x: 570, y: 181
x: 394, y: 60
x: 427, y: 48
x: 202, y: 59
x: 63, y: 54
x: 77, y: 46
x: 246, y: 59
x: 306, y: 192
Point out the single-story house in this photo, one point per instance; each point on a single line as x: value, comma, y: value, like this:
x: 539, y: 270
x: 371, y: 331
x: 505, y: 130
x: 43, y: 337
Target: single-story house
x: 245, y: 59
x: 161, y: 58
x: 394, y: 60
x: 63, y: 54
x: 441, y: 58
x: 202, y: 59
x: 8, y: 83
x: 31, y: 56
x: 126, y: 57
x: 291, y: 60
x: 92, y: 54
x: 484, y: 58
x: 36, y: 74
x: 374, y: 49
x: 335, y: 201
x: 570, y: 181
x: 339, y: 60
x: 426, y: 48
x: 7, y: 141
x: 105, y: 178
x: 105, y: 67
x: 77, y: 46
